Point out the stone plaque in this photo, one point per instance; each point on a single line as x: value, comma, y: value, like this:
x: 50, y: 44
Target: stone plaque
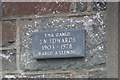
x: 58, y: 44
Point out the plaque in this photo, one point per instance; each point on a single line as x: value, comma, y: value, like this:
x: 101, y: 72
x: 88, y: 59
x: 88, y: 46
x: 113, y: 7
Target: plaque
x: 58, y: 44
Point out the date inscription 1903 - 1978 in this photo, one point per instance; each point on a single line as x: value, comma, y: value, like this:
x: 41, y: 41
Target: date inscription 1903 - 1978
x: 58, y: 44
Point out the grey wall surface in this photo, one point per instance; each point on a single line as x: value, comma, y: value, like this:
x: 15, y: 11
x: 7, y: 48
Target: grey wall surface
x: 112, y: 38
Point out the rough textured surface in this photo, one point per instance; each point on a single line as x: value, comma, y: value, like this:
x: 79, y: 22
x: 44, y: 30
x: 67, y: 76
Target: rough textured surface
x: 21, y: 9
x: 8, y: 32
x: 95, y: 42
x: 52, y: 75
x: 8, y: 60
x: 97, y: 74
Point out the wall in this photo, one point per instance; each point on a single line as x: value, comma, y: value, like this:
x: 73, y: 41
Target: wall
x: 19, y: 20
